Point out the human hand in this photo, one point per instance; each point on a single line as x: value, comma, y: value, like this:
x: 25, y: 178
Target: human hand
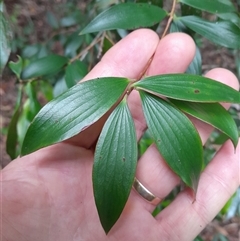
x: 48, y: 194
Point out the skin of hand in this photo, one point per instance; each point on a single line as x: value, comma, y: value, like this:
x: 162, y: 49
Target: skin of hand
x: 48, y: 195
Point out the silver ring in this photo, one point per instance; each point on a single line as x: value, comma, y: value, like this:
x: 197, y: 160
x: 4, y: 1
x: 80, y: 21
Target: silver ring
x: 145, y: 193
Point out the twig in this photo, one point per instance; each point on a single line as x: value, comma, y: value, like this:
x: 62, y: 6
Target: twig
x: 170, y: 18
x: 165, y: 31
x: 109, y: 39
x: 101, y: 45
x: 85, y: 51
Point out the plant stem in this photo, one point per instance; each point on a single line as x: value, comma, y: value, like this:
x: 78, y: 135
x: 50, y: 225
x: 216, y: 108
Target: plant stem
x: 171, y: 15
x: 84, y: 51
x: 170, y: 18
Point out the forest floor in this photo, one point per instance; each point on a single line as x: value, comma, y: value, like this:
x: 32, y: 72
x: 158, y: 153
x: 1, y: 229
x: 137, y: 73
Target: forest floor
x: 35, y: 10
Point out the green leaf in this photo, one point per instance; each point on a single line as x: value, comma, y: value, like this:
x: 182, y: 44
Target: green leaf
x: 23, y: 123
x: 114, y: 165
x: 52, y: 20
x: 211, y: 6
x: 34, y: 106
x: 213, y: 114
x: 71, y: 20
x: 46, y: 89
x: 175, y: 137
x: 188, y: 10
x: 232, y: 17
x: 12, y: 135
x: 16, y: 67
x: 126, y: 16
x: 30, y: 51
x: 75, y: 72
x: 73, y: 111
x: 223, y: 33
x: 5, y: 37
x: 188, y: 87
x: 48, y: 65
x: 72, y: 45
x: 178, y: 26
x: 60, y: 86
x: 196, y: 65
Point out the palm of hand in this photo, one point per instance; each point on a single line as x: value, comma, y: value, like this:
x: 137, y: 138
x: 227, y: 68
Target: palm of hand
x: 48, y: 195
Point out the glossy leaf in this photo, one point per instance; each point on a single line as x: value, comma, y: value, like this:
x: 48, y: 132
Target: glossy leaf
x: 5, y: 37
x: 175, y: 137
x: 114, y: 165
x: 73, y: 111
x: 16, y: 67
x: 75, y: 72
x: 223, y: 33
x: 48, y: 65
x: 213, y: 114
x: 211, y: 6
x: 188, y: 87
x: 196, y: 65
x: 126, y: 16
x: 12, y: 135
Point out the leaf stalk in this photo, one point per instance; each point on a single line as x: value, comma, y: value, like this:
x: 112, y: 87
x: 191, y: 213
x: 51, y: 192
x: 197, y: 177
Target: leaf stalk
x: 170, y: 18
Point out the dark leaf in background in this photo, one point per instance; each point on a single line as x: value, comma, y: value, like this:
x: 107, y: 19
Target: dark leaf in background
x: 60, y: 86
x: 114, y: 165
x: 213, y: 114
x: 126, y: 16
x: 232, y: 17
x: 72, y: 45
x: 73, y: 111
x: 196, y: 65
x: 52, y: 20
x: 48, y: 65
x: 178, y: 26
x: 75, y: 72
x: 71, y: 20
x: 188, y: 10
x: 175, y: 137
x: 188, y: 87
x: 30, y: 51
x: 223, y: 33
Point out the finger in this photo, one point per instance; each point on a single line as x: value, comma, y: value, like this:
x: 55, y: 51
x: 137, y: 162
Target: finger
x: 153, y: 171
x: 173, y: 55
x: 217, y: 184
x: 128, y: 58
